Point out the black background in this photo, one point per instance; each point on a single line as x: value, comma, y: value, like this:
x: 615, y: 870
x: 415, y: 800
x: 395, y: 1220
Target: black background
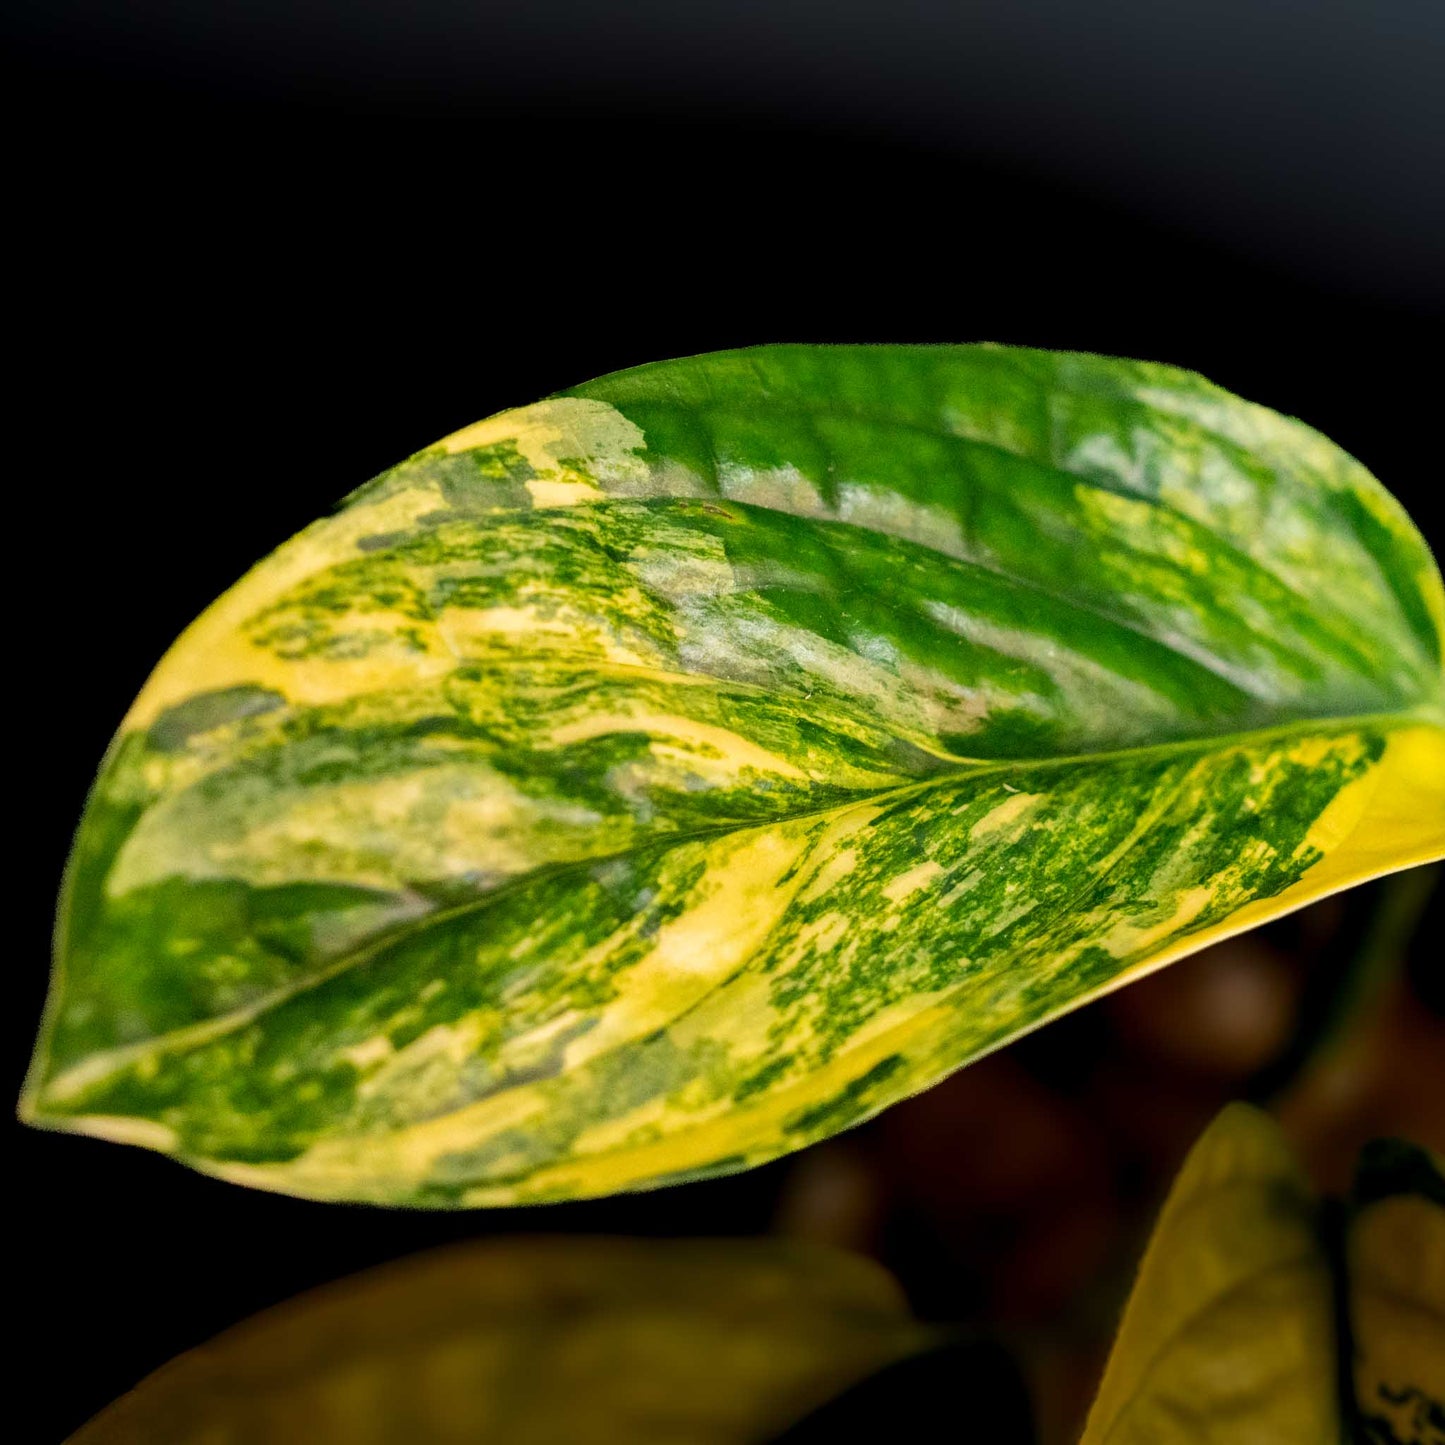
x: 255, y: 260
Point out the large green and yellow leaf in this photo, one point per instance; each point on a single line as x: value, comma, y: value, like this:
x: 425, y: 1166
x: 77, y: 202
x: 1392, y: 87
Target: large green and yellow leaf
x: 642, y: 784
x: 531, y: 1342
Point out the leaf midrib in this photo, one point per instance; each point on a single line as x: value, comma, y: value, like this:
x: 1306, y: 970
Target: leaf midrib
x: 99, y: 1066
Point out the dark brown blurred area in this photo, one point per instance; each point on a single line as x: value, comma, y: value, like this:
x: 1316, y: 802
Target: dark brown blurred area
x: 1017, y: 1195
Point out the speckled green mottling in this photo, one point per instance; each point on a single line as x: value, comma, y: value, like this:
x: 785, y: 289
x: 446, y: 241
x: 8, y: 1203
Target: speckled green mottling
x: 851, y: 1104
x: 688, y: 766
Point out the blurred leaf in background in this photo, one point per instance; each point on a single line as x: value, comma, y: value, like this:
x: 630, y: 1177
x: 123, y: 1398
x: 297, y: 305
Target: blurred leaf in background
x: 534, y: 1341
x: 1264, y: 1316
x: 1261, y: 1316
x: 1229, y: 1333
x: 1395, y: 1260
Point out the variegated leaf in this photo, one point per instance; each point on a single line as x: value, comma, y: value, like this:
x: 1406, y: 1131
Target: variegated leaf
x: 641, y: 784
x: 534, y: 1341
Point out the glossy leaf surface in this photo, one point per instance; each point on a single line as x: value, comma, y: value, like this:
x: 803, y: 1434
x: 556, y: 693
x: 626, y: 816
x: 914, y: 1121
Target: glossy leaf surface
x: 529, y: 1342
x: 644, y: 783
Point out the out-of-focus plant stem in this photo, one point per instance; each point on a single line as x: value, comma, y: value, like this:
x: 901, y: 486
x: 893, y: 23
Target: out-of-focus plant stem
x: 1350, y: 982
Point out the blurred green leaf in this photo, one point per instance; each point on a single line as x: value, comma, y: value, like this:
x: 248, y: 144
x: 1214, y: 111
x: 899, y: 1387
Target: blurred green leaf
x: 1228, y: 1335
x: 535, y: 1342
x: 1261, y: 1318
x: 1396, y: 1267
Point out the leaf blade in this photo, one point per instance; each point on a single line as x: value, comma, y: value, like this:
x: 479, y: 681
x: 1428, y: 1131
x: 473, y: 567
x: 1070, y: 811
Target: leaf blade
x: 534, y: 1340
x: 1396, y: 1263
x: 1228, y: 1333
x: 599, y: 706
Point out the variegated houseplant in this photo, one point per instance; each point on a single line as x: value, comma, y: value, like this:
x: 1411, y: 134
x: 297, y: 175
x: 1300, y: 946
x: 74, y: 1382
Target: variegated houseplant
x: 645, y: 783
